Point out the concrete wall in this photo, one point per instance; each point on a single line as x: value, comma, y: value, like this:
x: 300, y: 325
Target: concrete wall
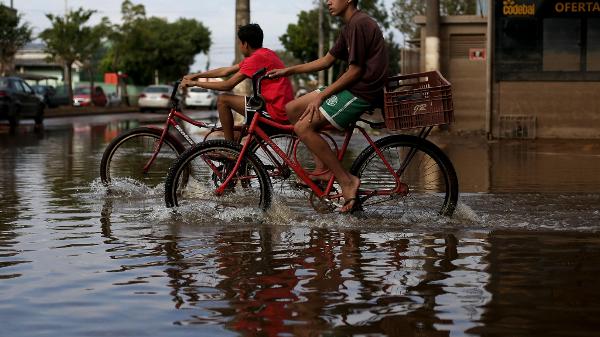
x: 562, y: 109
x: 459, y: 35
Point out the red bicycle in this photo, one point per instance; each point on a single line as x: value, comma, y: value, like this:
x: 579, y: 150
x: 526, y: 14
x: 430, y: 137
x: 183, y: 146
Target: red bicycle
x: 400, y: 174
x: 144, y: 154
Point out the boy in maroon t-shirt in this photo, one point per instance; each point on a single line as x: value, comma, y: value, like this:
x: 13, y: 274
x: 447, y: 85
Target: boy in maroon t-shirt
x: 276, y: 93
x: 360, y: 88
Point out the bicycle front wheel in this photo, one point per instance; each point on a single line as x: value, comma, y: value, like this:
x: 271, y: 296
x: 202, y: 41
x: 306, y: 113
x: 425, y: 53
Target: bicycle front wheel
x: 126, y: 157
x: 200, y: 170
x: 427, y: 183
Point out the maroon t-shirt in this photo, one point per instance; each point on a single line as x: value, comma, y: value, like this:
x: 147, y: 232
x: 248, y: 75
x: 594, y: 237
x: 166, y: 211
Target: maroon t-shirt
x: 361, y: 43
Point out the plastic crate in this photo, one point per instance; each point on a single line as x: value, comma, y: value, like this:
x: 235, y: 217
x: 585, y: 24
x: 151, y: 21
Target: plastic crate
x: 417, y: 100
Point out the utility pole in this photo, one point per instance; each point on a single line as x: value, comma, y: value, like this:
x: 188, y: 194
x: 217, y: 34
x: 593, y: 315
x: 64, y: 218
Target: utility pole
x: 242, y: 18
x: 432, y: 39
x: 321, y: 77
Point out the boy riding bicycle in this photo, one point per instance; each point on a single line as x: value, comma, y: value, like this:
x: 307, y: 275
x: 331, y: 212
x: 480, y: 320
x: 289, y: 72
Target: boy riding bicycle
x: 360, y: 88
x: 276, y: 93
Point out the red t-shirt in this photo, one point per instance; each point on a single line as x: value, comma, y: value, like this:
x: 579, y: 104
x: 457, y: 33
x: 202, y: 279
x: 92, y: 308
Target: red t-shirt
x: 276, y: 92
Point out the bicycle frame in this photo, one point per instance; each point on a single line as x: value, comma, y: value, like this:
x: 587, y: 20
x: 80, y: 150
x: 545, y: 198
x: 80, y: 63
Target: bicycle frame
x: 255, y: 130
x: 171, y: 121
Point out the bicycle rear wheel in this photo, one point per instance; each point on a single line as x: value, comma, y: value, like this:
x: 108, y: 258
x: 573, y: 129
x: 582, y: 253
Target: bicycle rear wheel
x: 200, y: 170
x: 430, y: 185
x: 126, y: 156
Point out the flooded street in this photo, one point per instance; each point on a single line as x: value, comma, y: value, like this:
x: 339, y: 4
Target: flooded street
x: 520, y: 257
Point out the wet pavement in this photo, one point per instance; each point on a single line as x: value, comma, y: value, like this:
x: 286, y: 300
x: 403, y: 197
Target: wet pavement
x: 520, y: 257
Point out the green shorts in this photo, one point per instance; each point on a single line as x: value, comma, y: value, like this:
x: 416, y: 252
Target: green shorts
x: 343, y: 108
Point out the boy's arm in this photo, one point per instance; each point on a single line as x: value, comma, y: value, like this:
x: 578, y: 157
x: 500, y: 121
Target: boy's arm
x: 226, y: 85
x: 351, y: 75
x: 219, y: 72
x: 316, y: 65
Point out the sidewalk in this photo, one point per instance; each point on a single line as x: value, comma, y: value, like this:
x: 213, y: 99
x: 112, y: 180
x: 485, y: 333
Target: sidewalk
x: 70, y: 111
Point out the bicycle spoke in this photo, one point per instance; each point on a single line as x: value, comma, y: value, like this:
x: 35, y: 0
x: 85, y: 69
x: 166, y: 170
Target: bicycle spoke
x: 127, y: 158
x: 426, y: 188
x: 200, y: 171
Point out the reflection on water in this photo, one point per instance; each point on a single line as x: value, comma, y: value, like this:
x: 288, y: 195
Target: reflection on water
x: 75, y: 261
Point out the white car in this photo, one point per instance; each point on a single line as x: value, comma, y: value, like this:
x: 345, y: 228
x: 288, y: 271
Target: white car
x: 200, y: 97
x: 155, y: 97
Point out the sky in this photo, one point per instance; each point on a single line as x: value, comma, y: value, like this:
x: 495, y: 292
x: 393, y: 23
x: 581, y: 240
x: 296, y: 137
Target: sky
x: 218, y: 15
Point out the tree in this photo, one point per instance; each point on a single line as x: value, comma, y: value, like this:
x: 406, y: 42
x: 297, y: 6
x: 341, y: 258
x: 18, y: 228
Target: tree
x: 70, y: 40
x: 301, y: 39
x: 142, y: 46
x: 404, y: 12
x: 14, y: 34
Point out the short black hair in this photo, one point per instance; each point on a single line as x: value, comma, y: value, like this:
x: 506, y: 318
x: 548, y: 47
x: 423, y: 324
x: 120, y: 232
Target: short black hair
x: 251, y: 33
x: 355, y: 2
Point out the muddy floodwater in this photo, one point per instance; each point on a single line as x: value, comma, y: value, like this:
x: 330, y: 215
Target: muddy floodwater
x: 520, y: 256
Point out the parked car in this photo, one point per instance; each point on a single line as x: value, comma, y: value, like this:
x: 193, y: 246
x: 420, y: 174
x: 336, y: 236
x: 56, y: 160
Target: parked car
x: 18, y: 100
x: 81, y: 96
x: 50, y: 96
x: 155, y: 97
x: 200, y: 97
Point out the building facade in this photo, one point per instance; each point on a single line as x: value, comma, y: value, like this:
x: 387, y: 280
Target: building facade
x: 529, y: 69
x: 33, y: 62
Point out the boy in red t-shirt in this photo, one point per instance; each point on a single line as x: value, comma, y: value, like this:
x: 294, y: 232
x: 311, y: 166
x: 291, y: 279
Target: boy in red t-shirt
x: 276, y: 93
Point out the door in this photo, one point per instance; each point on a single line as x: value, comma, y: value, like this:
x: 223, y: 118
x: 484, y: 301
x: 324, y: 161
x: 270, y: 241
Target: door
x: 467, y: 73
x: 29, y: 102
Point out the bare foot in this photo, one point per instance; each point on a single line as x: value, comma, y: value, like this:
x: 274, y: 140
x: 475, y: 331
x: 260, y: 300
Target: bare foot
x: 350, y: 193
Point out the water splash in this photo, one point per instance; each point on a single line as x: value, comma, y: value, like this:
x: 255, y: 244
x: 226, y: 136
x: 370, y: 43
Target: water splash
x: 126, y: 187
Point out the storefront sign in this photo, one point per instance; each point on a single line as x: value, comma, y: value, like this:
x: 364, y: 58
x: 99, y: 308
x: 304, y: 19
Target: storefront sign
x: 520, y: 8
x: 577, y: 7
x: 477, y: 54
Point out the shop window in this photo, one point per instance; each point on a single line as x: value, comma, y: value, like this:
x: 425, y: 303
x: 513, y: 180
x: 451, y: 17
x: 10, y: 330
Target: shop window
x: 552, y: 43
x: 593, y: 45
x: 562, y: 44
x: 518, y: 40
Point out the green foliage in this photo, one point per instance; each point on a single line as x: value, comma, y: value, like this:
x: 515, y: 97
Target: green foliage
x: 302, y: 38
x: 143, y: 45
x: 70, y: 39
x: 404, y: 12
x: 14, y: 34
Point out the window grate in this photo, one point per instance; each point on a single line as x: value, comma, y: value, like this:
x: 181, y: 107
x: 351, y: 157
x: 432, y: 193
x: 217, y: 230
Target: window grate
x: 518, y: 126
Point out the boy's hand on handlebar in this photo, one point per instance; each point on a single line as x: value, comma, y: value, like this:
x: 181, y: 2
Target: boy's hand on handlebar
x: 187, y: 83
x: 276, y: 73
